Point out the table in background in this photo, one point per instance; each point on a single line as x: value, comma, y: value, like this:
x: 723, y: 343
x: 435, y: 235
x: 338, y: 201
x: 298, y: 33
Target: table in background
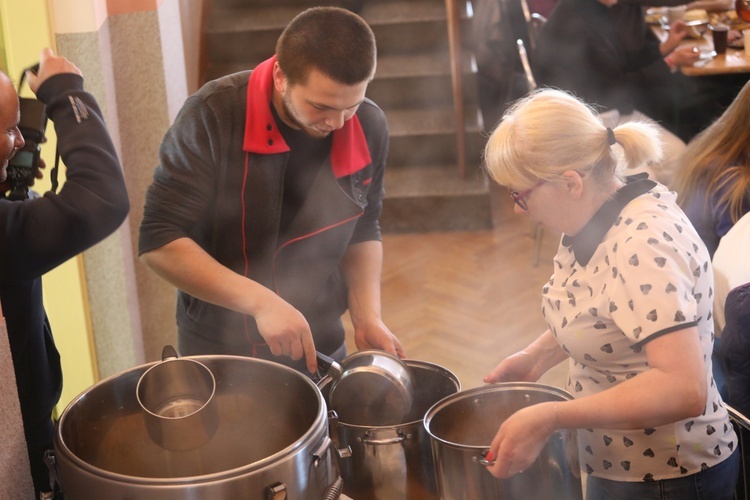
x: 734, y: 61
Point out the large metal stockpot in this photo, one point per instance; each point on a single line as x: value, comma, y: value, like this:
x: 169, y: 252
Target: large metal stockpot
x: 271, y: 441
x: 394, y: 462
x: 461, y: 428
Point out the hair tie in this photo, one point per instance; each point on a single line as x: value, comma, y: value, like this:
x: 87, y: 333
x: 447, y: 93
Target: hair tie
x: 611, y: 137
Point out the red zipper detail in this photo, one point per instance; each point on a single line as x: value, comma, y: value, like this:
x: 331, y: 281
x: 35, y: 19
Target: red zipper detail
x: 305, y: 236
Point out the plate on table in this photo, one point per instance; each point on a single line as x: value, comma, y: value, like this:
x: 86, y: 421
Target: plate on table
x: 737, y: 44
x: 695, y: 29
x: 656, y: 19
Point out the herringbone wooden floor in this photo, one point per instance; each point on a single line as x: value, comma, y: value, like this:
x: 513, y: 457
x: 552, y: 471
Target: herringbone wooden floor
x: 465, y: 300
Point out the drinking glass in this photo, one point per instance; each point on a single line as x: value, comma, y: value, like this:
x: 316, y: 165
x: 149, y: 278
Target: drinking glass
x: 742, y: 7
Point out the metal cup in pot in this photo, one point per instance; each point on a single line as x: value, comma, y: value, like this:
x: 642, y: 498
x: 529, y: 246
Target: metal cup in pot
x: 176, y: 396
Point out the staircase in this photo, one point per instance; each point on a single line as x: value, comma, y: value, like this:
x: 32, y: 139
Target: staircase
x: 413, y: 85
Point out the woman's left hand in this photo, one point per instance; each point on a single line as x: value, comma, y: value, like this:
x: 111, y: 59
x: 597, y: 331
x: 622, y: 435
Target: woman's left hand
x: 521, y: 438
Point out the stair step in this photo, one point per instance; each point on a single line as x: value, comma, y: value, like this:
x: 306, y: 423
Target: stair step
x: 300, y: 4
x: 390, y: 66
x: 433, y: 180
x: 419, y: 92
x: 395, y: 12
x: 431, y: 198
x: 424, y: 191
x: 434, y: 149
x: 431, y: 121
x: 249, y: 33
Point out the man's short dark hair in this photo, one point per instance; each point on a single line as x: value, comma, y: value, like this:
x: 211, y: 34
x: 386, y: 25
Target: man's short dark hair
x: 335, y: 41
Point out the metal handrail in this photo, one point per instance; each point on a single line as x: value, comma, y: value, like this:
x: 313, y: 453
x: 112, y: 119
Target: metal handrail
x: 742, y: 423
x: 526, y: 66
x: 454, y: 40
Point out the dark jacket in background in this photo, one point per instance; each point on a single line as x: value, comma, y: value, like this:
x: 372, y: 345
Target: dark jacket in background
x: 595, y: 52
x: 735, y: 348
x: 37, y: 235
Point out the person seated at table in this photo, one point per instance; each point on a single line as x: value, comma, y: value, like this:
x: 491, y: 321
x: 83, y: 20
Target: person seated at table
x: 713, y: 182
x: 626, y: 305
x: 582, y: 48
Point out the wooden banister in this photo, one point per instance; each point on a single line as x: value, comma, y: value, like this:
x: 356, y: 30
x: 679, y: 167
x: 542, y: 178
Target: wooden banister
x: 454, y: 40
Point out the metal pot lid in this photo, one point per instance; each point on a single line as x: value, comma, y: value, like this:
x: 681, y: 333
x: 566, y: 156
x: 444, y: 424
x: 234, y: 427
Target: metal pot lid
x: 375, y: 388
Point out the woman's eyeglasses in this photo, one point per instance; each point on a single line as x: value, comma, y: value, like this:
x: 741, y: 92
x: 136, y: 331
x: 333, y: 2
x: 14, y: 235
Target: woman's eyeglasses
x: 520, y: 198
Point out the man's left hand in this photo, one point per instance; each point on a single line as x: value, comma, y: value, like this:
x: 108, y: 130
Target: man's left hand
x: 376, y: 335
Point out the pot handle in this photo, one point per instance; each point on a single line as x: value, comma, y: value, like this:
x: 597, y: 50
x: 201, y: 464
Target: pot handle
x: 485, y: 459
x: 50, y: 460
x: 168, y: 352
x: 398, y: 439
x: 329, y: 366
x: 333, y: 422
x: 334, y: 490
x: 319, y: 454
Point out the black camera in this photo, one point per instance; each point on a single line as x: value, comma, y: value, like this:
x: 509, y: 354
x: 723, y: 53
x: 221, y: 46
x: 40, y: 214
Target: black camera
x: 23, y: 165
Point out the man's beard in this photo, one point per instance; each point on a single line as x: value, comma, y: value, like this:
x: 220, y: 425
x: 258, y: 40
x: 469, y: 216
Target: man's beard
x: 292, y: 116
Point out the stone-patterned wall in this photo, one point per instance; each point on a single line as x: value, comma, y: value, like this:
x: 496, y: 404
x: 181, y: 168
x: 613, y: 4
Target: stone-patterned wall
x: 134, y: 64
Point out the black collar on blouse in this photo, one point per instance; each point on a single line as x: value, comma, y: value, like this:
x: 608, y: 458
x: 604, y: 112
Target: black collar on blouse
x: 587, y: 240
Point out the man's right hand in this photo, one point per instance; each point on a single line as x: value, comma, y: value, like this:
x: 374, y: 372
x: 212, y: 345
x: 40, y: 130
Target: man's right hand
x: 49, y: 65
x: 286, y: 331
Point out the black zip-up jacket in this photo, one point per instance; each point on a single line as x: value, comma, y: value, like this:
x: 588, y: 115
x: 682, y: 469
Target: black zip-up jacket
x: 220, y: 183
x: 37, y: 235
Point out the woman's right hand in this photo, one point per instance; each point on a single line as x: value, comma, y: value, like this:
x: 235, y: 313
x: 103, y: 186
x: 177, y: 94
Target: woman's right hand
x: 518, y: 367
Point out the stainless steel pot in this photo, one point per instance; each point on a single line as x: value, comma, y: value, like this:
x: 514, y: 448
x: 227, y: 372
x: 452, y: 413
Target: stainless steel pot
x: 271, y: 440
x: 393, y: 462
x: 461, y: 428
x: 374, y: 388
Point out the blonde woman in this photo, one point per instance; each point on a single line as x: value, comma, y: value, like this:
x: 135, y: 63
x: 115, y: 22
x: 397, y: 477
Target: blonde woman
x: 713, y: 181
x: 627, y: 305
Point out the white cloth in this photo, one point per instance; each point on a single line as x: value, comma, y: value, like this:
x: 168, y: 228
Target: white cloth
x: 731, y: 266
x: 15, y: 475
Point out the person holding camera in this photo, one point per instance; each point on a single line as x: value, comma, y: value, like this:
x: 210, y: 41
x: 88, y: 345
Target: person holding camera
x: 264, y: 209
x: 37, y: 235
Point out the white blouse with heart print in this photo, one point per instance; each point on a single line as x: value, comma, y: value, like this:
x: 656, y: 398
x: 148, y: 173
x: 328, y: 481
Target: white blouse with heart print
x: 649, y: 276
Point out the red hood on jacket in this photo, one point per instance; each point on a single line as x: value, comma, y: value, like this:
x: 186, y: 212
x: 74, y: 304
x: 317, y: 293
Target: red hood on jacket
x: 349, y: 151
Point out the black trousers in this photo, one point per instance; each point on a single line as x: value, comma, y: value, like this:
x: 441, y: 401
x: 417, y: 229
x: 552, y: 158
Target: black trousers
x: 40, y: 439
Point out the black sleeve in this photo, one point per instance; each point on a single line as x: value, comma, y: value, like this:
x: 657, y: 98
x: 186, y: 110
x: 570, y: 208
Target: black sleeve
x: 39, y: 234
x: 368, y: 226
x: 184, y: 182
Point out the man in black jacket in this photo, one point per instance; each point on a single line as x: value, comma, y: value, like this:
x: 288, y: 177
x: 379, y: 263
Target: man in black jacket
x: 264, y: 209
x: 37, y: 235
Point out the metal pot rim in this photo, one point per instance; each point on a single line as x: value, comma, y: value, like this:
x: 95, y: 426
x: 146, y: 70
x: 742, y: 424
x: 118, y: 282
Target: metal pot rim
x: 310, y: 436
x: 488, y: 389
x: 410, y: 363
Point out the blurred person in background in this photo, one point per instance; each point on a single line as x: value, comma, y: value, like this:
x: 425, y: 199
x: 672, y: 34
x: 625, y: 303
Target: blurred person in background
x: 735, y: 348
x: 581, y: 49
x: 732, y: 315
x: 713, y: 181
x: 38, y: 234
x: 628, y: 305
